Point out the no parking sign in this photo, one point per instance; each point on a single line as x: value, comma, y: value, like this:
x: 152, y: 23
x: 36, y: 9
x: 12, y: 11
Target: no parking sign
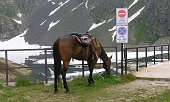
x: 122, y: 34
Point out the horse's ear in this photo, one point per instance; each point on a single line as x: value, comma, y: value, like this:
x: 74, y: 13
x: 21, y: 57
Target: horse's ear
x: 110, y: 57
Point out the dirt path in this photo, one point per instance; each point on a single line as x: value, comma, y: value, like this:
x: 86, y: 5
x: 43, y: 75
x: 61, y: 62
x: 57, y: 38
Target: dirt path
x: 138, y: 89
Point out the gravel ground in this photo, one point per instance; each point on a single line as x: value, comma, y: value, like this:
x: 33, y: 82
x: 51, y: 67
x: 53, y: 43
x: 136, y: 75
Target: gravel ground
x: 136, y: 90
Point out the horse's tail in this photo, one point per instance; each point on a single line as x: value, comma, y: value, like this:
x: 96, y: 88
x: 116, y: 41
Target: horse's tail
x: 57, y: 60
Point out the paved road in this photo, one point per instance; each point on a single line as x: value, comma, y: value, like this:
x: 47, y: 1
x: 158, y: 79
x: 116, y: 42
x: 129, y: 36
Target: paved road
x: 158, y: 71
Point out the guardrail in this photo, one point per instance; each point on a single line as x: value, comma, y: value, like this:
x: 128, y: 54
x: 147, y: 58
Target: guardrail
x: 45, y: 61
x: 9, y: 50
x: 146, y: 48
x: 160, y: 48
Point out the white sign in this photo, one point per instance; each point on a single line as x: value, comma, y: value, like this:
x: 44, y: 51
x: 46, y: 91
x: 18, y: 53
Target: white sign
x: 121, y: 16
x: 122, y: 34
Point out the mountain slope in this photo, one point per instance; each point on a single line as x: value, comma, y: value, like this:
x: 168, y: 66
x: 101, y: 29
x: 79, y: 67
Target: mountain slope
x: 48, y: 19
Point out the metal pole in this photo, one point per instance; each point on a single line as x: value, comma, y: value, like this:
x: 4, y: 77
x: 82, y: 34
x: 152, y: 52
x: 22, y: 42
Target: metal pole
x: 168, y: 52
x: 116, y: 62
x: 46, y: 79
x: 6, y: 65
x: 121, y: 58
x: 161, y: 53
x: 146, y: 59
x: 125, y: 60
x: 83, y: 68
x: 137, y: 59
x: 154, y: 54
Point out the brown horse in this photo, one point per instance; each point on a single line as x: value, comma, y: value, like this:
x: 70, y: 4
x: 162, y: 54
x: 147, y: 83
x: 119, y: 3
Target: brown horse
x: 67, y: 47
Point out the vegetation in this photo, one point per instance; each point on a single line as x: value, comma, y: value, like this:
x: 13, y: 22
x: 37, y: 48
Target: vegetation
x: 79, y: 88
x: 98, y: 14
x: 105, y: 88
x: 22, y: 81
x: 1, y: 84
x: 141, y: 33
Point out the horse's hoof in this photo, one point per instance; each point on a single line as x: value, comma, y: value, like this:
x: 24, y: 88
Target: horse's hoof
x: 55, y: 92
x: 67, y: 91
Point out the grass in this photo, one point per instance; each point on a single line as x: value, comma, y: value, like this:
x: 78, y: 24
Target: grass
x: 22, y: 81
x: 79, y: 89
x: 1, y: 83
x: 102, y: 90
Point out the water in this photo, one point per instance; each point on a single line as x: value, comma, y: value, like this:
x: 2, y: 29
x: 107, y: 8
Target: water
x: 38, y: 71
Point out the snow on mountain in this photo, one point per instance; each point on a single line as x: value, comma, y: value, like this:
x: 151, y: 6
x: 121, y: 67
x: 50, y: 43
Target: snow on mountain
x: 53, y: 24
x: 96, y: 25
x: 60, y: 5
x: 18, y: 21
x: 18, y: 42
x: 77, y: 6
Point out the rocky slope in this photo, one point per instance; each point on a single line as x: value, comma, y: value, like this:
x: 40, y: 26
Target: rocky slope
x: 12, y: 14
x: 48, y: 19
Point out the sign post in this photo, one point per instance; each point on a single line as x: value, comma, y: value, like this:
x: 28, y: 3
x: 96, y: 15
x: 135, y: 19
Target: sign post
x: 122, y: 30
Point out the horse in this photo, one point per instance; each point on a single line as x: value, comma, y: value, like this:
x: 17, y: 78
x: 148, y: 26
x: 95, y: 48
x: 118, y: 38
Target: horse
x: 67, y: 47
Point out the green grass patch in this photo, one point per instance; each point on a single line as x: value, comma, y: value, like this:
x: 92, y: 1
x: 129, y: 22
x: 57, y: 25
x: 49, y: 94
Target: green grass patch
x: 99, y: 82
x: 1, y: 83
x: 22, y: 81
x: 80, y: 90
x: 104, y: 88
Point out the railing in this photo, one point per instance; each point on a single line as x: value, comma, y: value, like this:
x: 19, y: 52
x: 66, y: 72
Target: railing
x: 160, y: 48
x: 45, y: 61
x: 146, y: 48
x: 6, y: 60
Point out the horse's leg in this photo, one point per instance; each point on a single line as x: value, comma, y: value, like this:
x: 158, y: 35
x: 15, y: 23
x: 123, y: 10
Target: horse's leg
x: 90, y: 79
x: 63, y: 72
x: 56, y: 78
x: 91, y: 65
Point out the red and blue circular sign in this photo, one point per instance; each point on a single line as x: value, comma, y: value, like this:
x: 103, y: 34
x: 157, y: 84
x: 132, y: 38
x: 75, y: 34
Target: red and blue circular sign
x: 122, y: 31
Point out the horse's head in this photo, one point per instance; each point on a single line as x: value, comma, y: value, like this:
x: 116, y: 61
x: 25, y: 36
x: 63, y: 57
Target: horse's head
x: 107, y: 64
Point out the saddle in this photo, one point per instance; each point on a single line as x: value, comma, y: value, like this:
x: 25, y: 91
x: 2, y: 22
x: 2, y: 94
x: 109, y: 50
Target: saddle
x: 83, y: 39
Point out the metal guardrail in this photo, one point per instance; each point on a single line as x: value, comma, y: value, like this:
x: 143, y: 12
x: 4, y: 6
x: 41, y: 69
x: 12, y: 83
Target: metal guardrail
x: 137, y: 49
x: 45, y: 57
x: 6, y: 60
x: 146, y: 54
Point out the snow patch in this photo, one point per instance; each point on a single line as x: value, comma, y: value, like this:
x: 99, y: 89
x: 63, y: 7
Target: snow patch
x: 60, y: 5
x: 19, y: 15
x: 93, y: 7
x: 86, y: 4
x: 53, y: 24
x: 18, y: 21
x: 134, y: 2
x: 53, y: 3
x: 18, y: 42
x: 135, y: 15
x: 94, y: 25
x: 43, y: 22
x: 77, y: 6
